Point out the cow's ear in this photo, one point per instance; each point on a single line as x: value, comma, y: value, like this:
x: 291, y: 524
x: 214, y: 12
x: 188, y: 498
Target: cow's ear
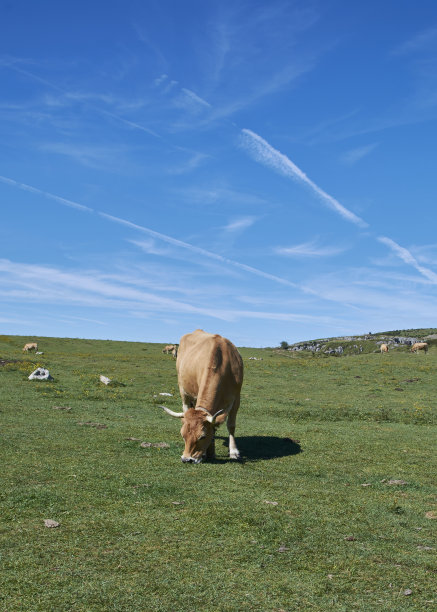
x: 220, y: 419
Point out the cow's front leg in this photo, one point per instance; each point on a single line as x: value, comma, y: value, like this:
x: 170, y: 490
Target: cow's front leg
x: 210, y: 451
x: 234, y: 453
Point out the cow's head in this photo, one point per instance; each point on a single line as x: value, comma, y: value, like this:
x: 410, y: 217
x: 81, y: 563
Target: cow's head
x: 198, y: 428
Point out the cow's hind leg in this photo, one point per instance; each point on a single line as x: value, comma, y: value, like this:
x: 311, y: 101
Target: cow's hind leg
x: 234, y: 453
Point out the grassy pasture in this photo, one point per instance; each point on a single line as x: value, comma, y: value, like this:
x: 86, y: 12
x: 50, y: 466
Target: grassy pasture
x: 307, y: 521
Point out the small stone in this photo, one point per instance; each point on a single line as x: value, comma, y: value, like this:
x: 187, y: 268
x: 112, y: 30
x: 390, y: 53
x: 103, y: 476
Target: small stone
x: 50, y: 523
x: 104, y: 379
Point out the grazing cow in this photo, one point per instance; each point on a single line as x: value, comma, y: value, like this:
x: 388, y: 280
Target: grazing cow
x: 168, y: 349
x: 384, y: 348
x: 419, y: 346
x: 210, y: 375
x: 30, y: 346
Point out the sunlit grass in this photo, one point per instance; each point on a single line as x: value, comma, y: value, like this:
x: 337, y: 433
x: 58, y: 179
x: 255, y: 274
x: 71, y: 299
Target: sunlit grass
x: 139, y: 530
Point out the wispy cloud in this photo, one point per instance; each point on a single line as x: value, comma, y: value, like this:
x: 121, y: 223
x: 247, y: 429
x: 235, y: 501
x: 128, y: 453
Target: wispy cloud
x: 407, y: 257
x: 46, y: 194
x: 265, y: 154
x: 195, y: 98
x: 102, y: 157
x: 352, y: 156
x: 199, y: 251
x: 149, y: 246
x: 239, y: 225
x: 83, y: 99
x: 51, y: 285
x: 194, y: 160
x: 154, y: 234
x: 221, y: 195
x: 308, y: 249
x: 422, y: 41
x: 160, y: 80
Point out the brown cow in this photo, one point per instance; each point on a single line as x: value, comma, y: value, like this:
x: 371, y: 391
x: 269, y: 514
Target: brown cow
x: 210, y: 375
x: 30, y: 346
x: 419, y: 346
x: 384, y: 348
x: 171, y: 348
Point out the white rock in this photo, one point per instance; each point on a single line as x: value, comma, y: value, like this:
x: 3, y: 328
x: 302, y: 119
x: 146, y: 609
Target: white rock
x: 104, y: 379
x: 40, y: 374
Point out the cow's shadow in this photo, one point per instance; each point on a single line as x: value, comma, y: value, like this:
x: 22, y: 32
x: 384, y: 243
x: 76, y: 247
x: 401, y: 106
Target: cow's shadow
x: 263, y: 448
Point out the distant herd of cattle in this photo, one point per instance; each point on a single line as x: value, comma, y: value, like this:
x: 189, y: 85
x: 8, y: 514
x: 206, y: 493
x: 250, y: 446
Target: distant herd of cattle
x: 210, y: 375
x: 417, y: 346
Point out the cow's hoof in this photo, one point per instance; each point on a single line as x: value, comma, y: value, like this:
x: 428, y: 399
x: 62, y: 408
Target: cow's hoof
x: 235, y: 455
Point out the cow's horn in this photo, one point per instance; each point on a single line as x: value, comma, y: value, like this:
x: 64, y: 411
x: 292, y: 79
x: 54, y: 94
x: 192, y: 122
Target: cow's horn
x: 212, y: 417
x: 180, y: 415
x: 203, y: 410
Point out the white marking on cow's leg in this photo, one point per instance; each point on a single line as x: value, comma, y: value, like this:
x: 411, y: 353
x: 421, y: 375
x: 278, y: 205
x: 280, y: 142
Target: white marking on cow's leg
x: 234, y: 453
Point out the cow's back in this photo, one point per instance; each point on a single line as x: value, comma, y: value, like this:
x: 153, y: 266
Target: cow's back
x: 208, y: 363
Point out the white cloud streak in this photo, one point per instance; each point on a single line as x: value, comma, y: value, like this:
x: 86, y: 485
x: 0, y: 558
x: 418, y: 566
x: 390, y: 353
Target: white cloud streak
x: 154, y: 234
x: 46, y: 194
x: 408, y: 258
x: 80, y: 99
x: 199, y: 250
x: 355, y: 155
x: 265, y: 154
x: 195, y: 98
x: 239, y: 225
x: 43, y: 284
x: 308, y: 249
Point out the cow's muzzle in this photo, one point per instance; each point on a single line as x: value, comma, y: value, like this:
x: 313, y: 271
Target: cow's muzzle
x: 191, y: 460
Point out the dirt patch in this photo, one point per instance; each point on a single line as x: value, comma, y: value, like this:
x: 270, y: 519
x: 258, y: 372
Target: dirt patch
x: 4, y: 362
x: 96, y: 425
x: 155, y: 444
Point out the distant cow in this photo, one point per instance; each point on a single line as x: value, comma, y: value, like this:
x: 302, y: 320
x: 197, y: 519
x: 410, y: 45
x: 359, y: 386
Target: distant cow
x: 171, y: 348
x: 419, y: 346
x: 384, y: 348
x: 210, y: 375
x: 30, y: 346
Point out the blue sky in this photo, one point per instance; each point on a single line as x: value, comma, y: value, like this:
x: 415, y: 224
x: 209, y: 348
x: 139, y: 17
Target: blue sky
x: 262, y: 170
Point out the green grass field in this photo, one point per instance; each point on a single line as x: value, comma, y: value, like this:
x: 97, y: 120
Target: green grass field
x: 307, y: 521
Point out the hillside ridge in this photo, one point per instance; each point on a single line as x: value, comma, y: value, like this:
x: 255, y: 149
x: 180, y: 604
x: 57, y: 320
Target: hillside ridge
x: 364, y: 343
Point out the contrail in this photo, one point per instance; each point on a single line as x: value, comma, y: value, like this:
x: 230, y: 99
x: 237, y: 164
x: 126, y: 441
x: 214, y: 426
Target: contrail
x: 46, y: 194
x: 199, y: 250
x: 408, y: 258
x: 93, y: 107
x: 150, y: 232
x: 264, y: 153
